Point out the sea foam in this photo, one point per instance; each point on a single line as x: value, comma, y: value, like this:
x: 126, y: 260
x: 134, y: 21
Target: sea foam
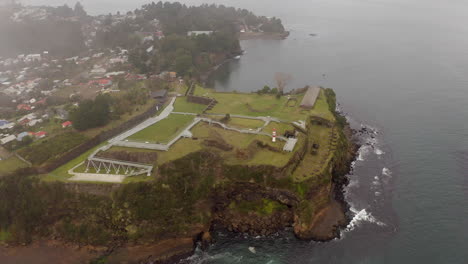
x: 361, y: 217
x: 386, y: 172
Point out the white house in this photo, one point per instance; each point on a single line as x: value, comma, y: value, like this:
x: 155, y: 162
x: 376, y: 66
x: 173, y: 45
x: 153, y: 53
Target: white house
x: 196, y: 33
x: 7, y: 139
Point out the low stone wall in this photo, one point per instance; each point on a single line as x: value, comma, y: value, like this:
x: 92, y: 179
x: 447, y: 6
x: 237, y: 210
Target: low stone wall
x: 199, y: 100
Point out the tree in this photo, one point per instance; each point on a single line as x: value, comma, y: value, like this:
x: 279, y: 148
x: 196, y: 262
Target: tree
x: 183, y: 64
x: 90, y: 114
x: 79, y: 10
x: 282, y: 80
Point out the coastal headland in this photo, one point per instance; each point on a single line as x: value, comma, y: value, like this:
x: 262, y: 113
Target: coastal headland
x: 225, y: 171
x: 154, y: 163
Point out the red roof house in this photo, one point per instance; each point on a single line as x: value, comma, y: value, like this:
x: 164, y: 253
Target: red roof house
x: 40, y: 134
x: 67, y: 124
x: 101, y: 82
x: 23, y: 107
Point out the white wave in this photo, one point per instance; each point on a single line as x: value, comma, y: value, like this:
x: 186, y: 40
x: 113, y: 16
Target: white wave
x: 377, y: 193
x: 353, y: 183
x: 203, y: 257
x: 362, y: 153
x: 361, y: 217
x: 378, y: 151
x: 387, y: 172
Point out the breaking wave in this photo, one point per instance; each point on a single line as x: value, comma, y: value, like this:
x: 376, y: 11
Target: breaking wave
x: 387, y: 172
x: 360, y: 217
x: 204, y: 257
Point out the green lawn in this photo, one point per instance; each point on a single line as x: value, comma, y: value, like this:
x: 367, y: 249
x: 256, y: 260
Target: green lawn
x: 164, y: 130
x: 313, y: 165
x: 181, y: 148
x: 182, y: 105
x: 252, y: 104
x: 10, y: 165
x: 321, y: 108
x: 243, y: 143
x: 280, y: 128
x: 245, y: 123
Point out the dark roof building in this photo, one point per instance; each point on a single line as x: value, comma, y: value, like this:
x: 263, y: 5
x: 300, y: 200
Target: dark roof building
x: 310, y: 97
x: 160, y: 94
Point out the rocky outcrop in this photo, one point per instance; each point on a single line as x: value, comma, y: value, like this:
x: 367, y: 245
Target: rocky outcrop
x: 324, y: 226
x: 254, y: 223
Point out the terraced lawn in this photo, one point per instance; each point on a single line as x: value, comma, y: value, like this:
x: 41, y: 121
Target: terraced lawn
x: 313, y: 165
x: 252, y: 104
x: 280, y: 128
x: 182, y: 105
x: 244, y: 151
x: 164, y: 130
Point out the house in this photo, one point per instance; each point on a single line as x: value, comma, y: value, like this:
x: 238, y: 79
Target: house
x: 32, y: 57
x: 98, y: 71
x: 67, y: 124
x: 310, y: 97
x: 7, y: 139
x: 197, y: 33
x: 159, y: 34
x: 41, y: 102
x: 24, y: 107
x: 62, y: 114
x: 101, y: 82
x: 113, y: 74
x: 22, y: 135
x: 160, y: 94
x: 25, y: 119
x: 6, y: 125
x: 34, y: 122
x: 40, y: 134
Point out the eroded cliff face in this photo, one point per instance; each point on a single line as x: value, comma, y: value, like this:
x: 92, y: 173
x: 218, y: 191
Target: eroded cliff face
x: 263, y: 206
x: 269, y: 199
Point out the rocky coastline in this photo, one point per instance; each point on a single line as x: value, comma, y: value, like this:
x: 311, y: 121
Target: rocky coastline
x: 325, y: 225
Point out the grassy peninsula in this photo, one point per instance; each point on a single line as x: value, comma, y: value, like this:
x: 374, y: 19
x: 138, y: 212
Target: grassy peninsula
x: 219, y: 177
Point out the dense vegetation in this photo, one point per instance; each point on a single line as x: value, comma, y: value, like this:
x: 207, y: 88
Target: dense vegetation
x: 143, y: 211
x: 186, y: 55
x: 49, y: 148
x: 92, y: 113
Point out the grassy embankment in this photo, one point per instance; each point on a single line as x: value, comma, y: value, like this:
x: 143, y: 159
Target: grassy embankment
x: 164, y: 130
x: 182, y: 105
x: 10, y: 165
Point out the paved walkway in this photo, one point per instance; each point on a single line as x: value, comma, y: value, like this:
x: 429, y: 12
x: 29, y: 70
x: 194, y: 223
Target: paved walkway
x: 148, y: 122
x: 98, y: 177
